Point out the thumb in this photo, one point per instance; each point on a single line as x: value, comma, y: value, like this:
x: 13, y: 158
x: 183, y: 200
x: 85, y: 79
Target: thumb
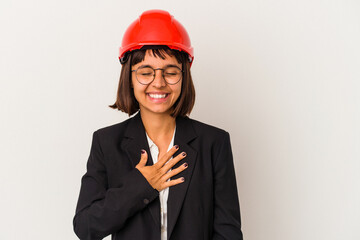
x: 143, y: 158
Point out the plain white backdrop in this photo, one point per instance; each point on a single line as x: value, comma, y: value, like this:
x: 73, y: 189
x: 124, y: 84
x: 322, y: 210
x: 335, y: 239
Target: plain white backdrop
x: 282, y: 77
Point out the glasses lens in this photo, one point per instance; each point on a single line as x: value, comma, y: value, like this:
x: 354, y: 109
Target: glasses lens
x: 172, y: 74
x: 145, y: 75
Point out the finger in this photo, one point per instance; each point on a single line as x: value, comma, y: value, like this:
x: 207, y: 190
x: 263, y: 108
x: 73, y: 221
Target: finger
x: 174, y: 172
x: 167, y: 156
x: 143, y: 158
x: 174, y: 182
x: 173, y: 161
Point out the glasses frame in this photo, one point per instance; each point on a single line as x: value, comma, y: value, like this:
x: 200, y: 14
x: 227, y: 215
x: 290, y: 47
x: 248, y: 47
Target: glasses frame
x: 162, y: 74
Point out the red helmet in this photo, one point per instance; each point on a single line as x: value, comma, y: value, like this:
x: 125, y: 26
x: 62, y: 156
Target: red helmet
x: 156, y: 27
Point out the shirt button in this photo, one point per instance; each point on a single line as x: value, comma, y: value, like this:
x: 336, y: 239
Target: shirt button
x: 146, y: 201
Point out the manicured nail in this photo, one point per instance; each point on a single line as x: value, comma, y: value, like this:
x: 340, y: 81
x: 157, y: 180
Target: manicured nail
x: 176, y: 146
x: 182, y: 179
x: 142, y: 151
x: 185, y: 165
x: 184, y: 154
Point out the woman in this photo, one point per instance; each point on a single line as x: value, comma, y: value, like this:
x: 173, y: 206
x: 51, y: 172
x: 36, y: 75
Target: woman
x: 159, y: 174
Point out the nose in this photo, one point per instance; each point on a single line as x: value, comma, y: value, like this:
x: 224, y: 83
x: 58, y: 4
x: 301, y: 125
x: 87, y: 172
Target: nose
x: 159, y: 80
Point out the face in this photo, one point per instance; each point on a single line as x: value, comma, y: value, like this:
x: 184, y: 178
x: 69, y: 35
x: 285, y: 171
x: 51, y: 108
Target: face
x: 158, y: 97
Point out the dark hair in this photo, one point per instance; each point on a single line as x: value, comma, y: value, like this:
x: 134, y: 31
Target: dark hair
x: 126, y: 101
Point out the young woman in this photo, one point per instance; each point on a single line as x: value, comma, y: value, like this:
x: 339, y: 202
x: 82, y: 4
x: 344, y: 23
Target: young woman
x: 159, y: 174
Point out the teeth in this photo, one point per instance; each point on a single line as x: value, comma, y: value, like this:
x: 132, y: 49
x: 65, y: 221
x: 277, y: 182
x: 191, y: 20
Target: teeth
x: 157, y: 95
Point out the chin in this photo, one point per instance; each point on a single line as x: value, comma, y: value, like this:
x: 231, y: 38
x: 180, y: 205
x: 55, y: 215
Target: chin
x: 159, y: 111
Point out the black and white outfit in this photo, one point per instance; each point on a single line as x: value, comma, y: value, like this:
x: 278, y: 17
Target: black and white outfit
x: 115, y: 198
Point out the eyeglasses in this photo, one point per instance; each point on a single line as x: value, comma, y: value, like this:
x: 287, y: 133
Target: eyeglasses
x: 145, y: 74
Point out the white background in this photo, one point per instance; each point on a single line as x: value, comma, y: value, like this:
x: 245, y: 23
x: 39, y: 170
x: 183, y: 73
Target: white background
x: 282, y: 77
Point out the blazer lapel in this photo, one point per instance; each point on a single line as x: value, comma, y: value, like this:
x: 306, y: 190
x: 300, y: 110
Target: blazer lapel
x: 134, y: 141
x: 184, y: 134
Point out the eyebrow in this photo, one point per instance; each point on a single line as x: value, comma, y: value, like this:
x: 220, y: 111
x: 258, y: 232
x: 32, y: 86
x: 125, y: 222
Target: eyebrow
x: 168, y: 65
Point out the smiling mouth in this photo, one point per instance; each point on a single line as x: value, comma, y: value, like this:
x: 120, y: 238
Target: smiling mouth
x: 158, y: 96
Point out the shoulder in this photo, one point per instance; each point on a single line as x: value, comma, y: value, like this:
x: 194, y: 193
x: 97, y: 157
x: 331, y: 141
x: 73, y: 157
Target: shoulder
x: 203, y: 129
x: 114, y: 130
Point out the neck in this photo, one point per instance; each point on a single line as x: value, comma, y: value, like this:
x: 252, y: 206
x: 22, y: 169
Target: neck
x: 158, y: 126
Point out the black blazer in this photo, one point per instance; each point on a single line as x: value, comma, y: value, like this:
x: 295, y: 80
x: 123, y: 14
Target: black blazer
x: 115, y: 198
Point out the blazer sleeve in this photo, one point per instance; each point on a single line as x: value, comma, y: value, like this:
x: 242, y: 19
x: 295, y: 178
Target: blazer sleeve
x: 100, y: 210
x: 227, y: 223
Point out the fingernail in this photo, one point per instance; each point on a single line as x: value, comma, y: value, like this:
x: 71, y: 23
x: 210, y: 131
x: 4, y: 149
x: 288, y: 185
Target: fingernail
x: 142, y: 151
x: 184, y: 154
x: 182, y: 179
x: 176, y: 146
x: 185, y: 165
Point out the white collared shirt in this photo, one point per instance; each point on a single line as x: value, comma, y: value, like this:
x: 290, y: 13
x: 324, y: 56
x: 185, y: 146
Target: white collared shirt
x: 163, y: 194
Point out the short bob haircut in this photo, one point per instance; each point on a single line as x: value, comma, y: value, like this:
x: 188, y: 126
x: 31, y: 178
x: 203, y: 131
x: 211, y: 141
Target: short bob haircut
x: 126, y: 101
